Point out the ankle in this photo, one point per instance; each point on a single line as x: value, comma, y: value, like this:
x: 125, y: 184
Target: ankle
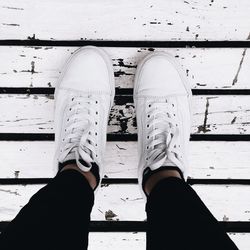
x: 157, y: 177
x: 88, y: 175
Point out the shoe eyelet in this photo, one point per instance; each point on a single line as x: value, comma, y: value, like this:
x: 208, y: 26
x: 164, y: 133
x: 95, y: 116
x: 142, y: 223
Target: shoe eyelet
x: 96, y: 102
x: 95, y: 133
x: 147, y: 126
x: 172, y: 104
x: 95, y: 123
x: 147, y: 137
x: 148, y: 116
x: 96, y: 112
x: 96, y: 155
x: 147, y: 147
x: 149, y: 105
x: 72, y: 99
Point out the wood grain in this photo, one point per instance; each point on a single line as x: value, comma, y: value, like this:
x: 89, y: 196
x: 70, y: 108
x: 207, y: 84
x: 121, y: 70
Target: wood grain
x: 107, y: 241
x: 137, y: 241
x: 205, y: 68
x: 140, y: 20
x: 207, y: 159
x: 211, y: 115
x: 225, y: 202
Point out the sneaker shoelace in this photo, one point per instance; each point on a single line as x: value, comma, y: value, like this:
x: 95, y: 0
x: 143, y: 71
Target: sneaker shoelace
x: 80, y: 135
x: 162, y: 142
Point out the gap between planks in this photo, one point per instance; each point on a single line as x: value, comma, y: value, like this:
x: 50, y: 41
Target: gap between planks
x: 139, y: 226
x: 125, y: 92
x: 126, y: 44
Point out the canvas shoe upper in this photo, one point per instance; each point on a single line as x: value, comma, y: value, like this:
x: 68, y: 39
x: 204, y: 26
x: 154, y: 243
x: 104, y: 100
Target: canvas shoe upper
x: 162, y: 100
x: 83, y: 98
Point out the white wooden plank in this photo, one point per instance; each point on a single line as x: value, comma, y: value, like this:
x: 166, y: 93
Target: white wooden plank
x: 208, y: 159
x: 140, y: 20
x: 211, y: 115
x: 123, y: 241
x: 205, y: 68
x: 225, y: 202
x: 242, y: 240
x: 137, y: 241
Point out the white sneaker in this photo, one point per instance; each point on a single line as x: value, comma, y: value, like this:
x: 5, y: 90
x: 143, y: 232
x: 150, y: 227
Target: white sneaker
x: 162, y: 99
x: 83, y: 98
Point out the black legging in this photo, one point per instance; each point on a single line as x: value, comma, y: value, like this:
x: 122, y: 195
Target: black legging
x: 57, y: 217
x: 178, y: 219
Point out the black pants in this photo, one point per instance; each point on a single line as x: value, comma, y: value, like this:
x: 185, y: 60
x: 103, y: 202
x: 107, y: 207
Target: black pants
x: 57, y: 217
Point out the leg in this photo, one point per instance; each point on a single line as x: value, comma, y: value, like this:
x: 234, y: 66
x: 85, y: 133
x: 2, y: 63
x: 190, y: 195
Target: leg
x: 56, y: 217
x: 178, y: 219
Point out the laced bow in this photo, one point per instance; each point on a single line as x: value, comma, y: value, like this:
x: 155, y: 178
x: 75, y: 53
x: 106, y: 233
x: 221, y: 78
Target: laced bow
x: 79, y: 133
x: 162, y: 135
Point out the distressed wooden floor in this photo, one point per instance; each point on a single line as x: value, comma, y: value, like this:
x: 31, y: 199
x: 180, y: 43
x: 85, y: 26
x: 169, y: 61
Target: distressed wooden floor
x: 210, y: 39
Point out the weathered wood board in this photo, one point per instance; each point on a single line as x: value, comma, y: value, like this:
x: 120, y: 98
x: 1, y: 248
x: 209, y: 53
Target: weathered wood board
x: 228, y: 203
x: 123, y: 241
x: 140, y: 20
x: 137, y: 241
x: 205, y: 68
x: 208, y: 159
x: 211, y: 115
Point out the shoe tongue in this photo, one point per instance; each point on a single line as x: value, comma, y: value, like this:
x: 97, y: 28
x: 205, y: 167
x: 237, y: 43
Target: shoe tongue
x: 169, y: 163
x: 69, y: 156
x: 83, y: 160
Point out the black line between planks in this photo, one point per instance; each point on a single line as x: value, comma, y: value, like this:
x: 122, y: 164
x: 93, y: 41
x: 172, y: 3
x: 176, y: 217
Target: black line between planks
x: 122, y: 137
x: 127, y: 44
x: 112, y: 181
x: 140, y: 226
x: 121, y: 92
